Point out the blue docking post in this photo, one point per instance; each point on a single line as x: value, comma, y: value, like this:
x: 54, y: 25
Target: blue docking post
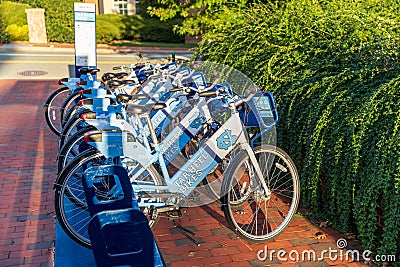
x: 119, y: 231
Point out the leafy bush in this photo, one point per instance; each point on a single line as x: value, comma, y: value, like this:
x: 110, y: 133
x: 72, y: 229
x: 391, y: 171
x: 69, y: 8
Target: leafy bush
x: 4, y: 36
x: 110, y: 27
x: 18, y: 33
x: 59, y: 18
x: 160, y: 31
x: 14, y: 13
x: 15, y: 20
x: 334, y: 68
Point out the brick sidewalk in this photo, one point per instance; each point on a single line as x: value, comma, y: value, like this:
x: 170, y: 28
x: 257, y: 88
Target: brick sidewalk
x: 27, y: 170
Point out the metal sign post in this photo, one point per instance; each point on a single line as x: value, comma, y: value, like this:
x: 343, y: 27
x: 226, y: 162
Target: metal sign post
x: 85, y: 36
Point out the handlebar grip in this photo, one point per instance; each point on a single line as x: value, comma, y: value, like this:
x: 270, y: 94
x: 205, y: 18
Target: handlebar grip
x: 251, y: 91
x: 243, y: 100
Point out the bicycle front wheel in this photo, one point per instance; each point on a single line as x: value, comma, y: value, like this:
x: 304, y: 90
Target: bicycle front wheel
x: 252, y: 213
x: 67, y: 109
x: 52, y: 109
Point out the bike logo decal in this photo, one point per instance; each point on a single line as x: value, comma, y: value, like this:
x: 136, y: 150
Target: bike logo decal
x: 175, y: 105
x: 196, y: 123
x: 226, y: 139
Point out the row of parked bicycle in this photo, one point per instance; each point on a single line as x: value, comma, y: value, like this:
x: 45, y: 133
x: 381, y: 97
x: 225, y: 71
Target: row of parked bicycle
x: 186, y: 135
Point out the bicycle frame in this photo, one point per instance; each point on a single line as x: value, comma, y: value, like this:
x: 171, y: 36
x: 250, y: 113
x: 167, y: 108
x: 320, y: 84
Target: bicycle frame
x: 229, y: 136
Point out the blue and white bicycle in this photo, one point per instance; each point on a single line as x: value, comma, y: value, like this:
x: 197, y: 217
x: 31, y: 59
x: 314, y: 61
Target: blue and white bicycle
x: 260, y: 185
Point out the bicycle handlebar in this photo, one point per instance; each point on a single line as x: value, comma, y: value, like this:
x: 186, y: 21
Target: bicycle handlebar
x: 251, y: 92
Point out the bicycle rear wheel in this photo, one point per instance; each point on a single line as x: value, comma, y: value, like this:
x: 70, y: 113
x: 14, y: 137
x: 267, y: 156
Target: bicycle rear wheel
x: 70, y: 201
x: 52, y: 108
x: 251, y: 213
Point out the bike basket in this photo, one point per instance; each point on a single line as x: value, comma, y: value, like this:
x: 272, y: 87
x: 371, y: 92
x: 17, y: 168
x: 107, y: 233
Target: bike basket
x: 260, y: 112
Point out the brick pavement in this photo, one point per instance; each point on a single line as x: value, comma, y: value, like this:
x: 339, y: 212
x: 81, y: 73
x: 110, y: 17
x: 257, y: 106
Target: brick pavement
x: 27, y: 171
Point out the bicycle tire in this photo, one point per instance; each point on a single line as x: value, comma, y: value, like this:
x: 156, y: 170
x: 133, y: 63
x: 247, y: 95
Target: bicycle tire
x: 269, y: 216
x: 69, y: 150
x: 67, y: 115
x: 52, y: 113
x: 69, y: 103
x: 68, y: 130
x: 72, y: 214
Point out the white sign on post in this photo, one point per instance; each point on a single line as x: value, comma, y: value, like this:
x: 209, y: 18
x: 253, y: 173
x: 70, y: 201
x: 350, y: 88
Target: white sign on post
x: 85, y: 36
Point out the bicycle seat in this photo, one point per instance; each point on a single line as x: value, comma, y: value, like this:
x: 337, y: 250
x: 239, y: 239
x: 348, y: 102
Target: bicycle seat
x: 125, y: 98
x: 108, y: 76
x: 121, y: 74
x: 126, y: 82
x: 114, y: 83
x: 141, y: 109
x: 86, y: 70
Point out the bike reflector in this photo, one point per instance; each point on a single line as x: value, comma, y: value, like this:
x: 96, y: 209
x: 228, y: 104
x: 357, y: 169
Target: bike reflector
x: 94, y: 137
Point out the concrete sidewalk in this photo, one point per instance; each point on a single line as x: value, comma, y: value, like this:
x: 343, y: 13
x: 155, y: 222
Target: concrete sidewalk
x: 28, y: 152
x: 101, y: 48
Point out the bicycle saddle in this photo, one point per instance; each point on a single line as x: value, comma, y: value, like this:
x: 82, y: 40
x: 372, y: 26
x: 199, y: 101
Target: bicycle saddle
x: 116, y: 83
x: 125, y: 98
x: 86, y: 70
x: 141, y: 109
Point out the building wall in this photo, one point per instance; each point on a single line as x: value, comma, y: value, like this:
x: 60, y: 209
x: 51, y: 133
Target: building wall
x: 108, y: 7
x: 98, y: 10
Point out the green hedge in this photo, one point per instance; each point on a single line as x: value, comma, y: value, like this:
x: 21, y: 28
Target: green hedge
x: 15, y: 20
x: 59, y: 16
x: 334, y: 68
x: 60, y: 23
x: 4, y: 35
x: 112, y: 27
x: 160, y: 31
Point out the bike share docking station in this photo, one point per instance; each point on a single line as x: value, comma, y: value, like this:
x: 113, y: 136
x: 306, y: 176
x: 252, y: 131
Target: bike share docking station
x: 119, y: 231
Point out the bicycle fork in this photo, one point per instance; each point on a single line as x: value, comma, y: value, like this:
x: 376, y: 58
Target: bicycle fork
x: 246, y: 146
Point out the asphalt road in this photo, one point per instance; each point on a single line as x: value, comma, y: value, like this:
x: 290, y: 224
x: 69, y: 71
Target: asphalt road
x: 54, y: 63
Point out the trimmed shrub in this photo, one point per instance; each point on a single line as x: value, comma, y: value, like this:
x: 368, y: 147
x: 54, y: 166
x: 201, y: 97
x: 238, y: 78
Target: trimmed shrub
x: 112, y: 27
x: 18, y: 33
x: 14, y: 13
x: 160, y: 31
x: 4, y: 36
x: 59, y: 18
x: 15, y: 20
x: 109, y: 28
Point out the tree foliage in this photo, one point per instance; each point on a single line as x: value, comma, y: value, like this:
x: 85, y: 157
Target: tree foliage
x: 198, y: 15
x: 334, y: 68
